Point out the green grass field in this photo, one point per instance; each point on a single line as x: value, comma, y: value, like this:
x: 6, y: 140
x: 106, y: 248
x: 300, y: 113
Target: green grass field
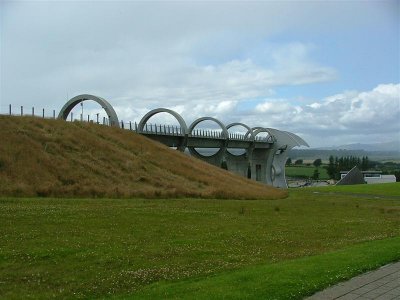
x: 384, y: 189
x: 185, y: 248
x: 305, y: 172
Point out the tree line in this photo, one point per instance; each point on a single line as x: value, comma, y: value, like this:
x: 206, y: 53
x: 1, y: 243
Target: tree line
x: 345, y: 163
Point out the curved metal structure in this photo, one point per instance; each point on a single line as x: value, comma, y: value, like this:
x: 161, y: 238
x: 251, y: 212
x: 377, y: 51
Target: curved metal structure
x: 249, y: 130
x: 199, y: 120
x: 153, y: 112
x: 264, y: 159
x: 181, y: 142
x: 249, y: 150
x: 224, y: 136
x: 66, y: 109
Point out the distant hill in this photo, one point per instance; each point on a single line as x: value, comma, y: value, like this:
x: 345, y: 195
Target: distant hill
x: 393, y: 146
x: 41, y: 157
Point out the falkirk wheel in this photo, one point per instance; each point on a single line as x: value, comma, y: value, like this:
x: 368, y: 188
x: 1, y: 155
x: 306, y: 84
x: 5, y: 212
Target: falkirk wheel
x: 263, y: 158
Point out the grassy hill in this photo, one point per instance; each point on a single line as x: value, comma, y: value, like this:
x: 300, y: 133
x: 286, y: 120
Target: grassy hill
x: 41, y: 157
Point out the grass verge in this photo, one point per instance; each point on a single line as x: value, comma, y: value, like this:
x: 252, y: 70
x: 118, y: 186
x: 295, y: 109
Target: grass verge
x: 383, y: 189
x: 292, y: 279
x: 94, y: 248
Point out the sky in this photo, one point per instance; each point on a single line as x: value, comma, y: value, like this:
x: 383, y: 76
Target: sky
x: 328, y: 71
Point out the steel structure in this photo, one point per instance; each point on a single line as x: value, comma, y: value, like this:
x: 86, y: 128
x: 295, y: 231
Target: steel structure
x: 263, y: 159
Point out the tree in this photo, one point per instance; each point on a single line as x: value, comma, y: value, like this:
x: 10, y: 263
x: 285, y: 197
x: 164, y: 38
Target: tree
x: 289, y: 161
x: 316, y: 174
x: 331, y: 169
x: 298, y: 162
x: 397, y: 174
x: 317, y: 162
x: 364, y: 163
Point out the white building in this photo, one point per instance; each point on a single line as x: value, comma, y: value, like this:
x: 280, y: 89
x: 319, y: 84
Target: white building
x: 372, y: 177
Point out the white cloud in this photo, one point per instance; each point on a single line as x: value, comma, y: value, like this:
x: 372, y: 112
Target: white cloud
x: 370, y: 116
x: 271, y: 107
x: 199, y: 58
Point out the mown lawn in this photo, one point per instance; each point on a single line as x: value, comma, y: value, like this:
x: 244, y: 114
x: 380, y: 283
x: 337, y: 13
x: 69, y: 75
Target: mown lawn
x: 305, y: 172
x: 384, y: 189
x: 91, y: 248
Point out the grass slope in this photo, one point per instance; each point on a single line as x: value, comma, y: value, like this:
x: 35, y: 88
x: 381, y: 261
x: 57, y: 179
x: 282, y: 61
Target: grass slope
x: 91, y: 248
x: 56, y: 158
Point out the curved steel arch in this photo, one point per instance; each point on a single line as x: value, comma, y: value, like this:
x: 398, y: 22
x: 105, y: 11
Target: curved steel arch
x: 284, y: 142
x: 153, y: 112
x: 299, y: 140
x: 252, y: 138
x: 66, y: 109
x: 199, y: 120
x: 257, y: 130
x: 193, y: 151
x: 249, y: 130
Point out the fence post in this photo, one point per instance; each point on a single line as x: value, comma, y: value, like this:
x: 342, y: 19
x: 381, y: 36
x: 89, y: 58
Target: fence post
x: 136, y: 127
x: 10, y: 109
x: 22, y: 110
x: 54, y: 113
x: 33, y: 111
x: 104, y: 120
x: 72, y: 116
x: 88, y: 118
x: 43, y: 113
x: 130, y: 125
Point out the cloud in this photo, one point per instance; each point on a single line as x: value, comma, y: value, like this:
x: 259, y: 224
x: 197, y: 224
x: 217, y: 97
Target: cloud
x: 199, y: 58
x: 348, y: 117
x: 149, y: 52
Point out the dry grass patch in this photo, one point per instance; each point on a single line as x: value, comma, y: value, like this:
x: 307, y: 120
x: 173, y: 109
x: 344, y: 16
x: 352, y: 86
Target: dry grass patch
x: 56, y: 158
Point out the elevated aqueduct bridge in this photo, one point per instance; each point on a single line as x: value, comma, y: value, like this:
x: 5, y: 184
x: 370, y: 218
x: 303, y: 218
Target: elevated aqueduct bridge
x: 263, y: 159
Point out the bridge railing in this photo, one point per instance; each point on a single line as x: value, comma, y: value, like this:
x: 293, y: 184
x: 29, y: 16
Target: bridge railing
x: 20, y: 110
x: 153, y: 129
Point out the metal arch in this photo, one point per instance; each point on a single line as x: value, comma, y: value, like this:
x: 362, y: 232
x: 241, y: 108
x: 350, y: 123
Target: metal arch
x: 193, y: 151
x: 299, y: 140
x: 257, y: 130
x: 66, y: 109
x: 284, y: 141
x: 288, y: 138
x: 153, y: 112
x: 248, y: 151
x: 249, y: 130
x: 199, y: 120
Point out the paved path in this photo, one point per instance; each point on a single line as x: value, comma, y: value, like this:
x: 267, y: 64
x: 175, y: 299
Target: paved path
x: 382, y: 284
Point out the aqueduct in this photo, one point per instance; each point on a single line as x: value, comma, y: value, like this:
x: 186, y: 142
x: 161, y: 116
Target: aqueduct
x: 263, y: 159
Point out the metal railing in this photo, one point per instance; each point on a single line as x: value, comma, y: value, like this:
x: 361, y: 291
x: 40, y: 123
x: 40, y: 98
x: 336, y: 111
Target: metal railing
x: 152, y: 129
